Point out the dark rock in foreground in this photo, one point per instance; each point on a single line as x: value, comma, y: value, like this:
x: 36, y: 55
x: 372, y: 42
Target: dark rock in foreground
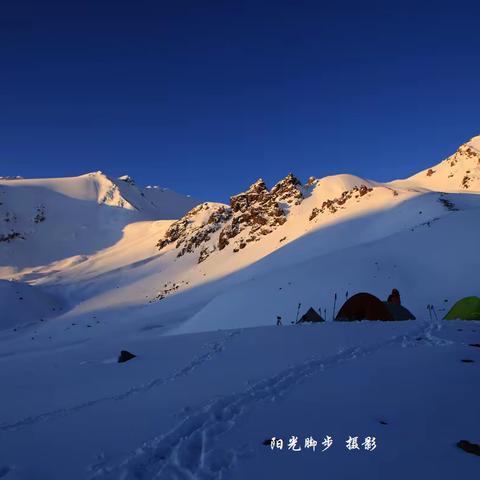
x: 469, y: 447
x: 125, y: 356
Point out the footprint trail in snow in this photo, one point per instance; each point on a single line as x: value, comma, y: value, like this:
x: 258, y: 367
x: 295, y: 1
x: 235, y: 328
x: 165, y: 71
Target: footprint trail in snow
x: 189, y: 450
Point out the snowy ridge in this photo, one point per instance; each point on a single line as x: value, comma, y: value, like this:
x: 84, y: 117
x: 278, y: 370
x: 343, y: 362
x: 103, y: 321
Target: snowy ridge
x: 458, y: 173
x: 108, y: 253
x: 255, y: 214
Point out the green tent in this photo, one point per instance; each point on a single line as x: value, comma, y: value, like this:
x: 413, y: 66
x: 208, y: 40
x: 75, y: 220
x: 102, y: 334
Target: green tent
x: 467, y: 308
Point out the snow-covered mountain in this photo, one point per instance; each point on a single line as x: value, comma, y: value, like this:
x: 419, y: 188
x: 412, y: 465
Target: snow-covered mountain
x: 99, y: 244
x: 90, y: 266
x: 43, y: 220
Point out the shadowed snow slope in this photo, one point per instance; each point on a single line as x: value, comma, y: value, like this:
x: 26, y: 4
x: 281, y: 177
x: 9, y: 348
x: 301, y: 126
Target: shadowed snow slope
x: 200, y: 406
x: 21, y: 303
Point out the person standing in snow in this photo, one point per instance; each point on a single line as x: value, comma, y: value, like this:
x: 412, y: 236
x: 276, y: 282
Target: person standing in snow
x: 394, y: 297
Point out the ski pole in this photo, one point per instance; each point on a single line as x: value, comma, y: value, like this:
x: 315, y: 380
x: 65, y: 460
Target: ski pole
x: 298, y: 311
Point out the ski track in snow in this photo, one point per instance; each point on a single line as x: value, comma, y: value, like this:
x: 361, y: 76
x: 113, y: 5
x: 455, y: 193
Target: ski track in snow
x: 214, y: 348
x: 189, y: 452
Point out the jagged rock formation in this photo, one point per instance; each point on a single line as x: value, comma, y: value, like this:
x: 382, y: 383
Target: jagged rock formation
x: 196, y: 228
x: 259, y: 211
x: 250, y: 215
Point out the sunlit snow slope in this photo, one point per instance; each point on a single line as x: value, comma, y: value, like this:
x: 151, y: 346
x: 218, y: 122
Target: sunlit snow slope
x: 100, y: 247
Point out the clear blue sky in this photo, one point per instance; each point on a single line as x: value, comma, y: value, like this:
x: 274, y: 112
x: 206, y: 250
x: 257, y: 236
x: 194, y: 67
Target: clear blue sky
x: 204, y: 97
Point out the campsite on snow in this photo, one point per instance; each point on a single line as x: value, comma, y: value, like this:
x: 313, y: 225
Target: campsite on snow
x: 145, y: 334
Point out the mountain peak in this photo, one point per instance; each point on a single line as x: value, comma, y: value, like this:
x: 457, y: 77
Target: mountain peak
x: 459, y: 172
x: 288, y: 190
x: 258, y: 187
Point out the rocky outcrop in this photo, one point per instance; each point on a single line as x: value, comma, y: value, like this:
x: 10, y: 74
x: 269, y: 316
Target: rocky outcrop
x: 465, y: 151
x: 288, y: 190
x: 466, y: 180
x: 447, y: 203
x: 196, y: 228
x: 258, y: 211
x: 125, y: 356
x: 9, y: 237
x: 464, y: 167
x: 40, y: 214
x: 334, y: 204
x: 250, y: 215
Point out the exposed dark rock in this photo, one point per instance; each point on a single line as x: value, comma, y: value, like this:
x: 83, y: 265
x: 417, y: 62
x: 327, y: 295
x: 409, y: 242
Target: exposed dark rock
x: 125, y: 356
x: 334, y: 204
x: 257, y: 193
x: 315, y: 212
x: 447, y: 204
x: 469, y: 447
x: 169, y: 287
x: 8, y: 237
x: 40, y: 215
x: 466, y: 181
x: 363, y: 190
x: 288, y: 190
x: 189, y: 233
x: 204, y: 253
